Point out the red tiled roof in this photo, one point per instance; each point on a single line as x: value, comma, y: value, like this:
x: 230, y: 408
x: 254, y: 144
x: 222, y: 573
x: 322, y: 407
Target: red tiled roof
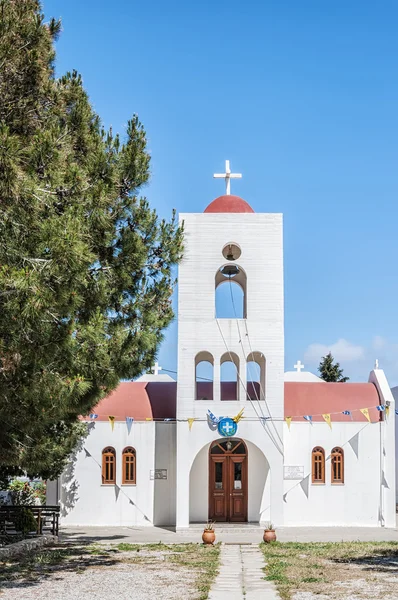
x: 157, y: 400
x: 229, y: 204
x: 307, y: 398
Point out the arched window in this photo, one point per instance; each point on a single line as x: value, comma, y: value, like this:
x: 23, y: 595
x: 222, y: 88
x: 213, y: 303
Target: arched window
x: 255, y: 376
x: 230, y: 292
x: 229, y: 380
x: 318, y: 465
x: 109, y: 465
x: 129, y: 466
x: 204, y: 367
x: 337, y: 461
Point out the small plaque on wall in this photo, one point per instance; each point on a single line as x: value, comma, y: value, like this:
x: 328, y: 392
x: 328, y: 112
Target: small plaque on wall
x: 293, y: 472
x: 158, y: 474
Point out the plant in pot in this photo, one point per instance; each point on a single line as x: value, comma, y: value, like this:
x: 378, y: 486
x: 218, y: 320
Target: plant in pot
x: 269, y: 533
x: 209, y: 535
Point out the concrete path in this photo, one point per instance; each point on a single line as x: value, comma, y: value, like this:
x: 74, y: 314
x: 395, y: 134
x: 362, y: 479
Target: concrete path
x: 241, y: 575
x: 238, y: 534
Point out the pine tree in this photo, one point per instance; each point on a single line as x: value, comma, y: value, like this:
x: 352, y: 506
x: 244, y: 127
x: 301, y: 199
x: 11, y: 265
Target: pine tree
x: 330, y: 370
x: 85, y: 264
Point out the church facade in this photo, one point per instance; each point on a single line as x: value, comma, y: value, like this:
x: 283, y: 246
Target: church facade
x: 281, y: 447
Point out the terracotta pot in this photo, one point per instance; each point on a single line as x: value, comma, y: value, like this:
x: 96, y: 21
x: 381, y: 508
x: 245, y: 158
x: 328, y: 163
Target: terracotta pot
x: 269, y: 536
x: 209, y: 536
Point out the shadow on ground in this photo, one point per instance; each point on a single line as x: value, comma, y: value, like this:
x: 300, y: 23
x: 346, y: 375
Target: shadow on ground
x: 33, y: 568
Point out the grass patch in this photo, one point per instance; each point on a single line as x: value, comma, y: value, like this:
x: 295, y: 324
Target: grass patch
x: 197, y: 559
x: 333, y: 569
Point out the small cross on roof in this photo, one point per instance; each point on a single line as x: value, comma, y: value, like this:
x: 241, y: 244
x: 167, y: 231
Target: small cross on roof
x: 298, y: 366
x: 156, y: 368
x: 227, y: 176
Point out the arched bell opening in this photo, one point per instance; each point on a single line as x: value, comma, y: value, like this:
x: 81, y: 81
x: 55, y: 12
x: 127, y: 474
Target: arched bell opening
x: 229, y: 376
x: 204, y: 376
x: 255, y: 376
x: 230, y: 292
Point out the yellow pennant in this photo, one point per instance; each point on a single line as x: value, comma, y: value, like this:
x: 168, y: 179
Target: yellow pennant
x: 148, y: 419
x: 238, y: 416
x: 387, y: 411
x: 190, y: 423
x: 328, y: 420
x: 365, y: 412
x: 288, y: 421
x: 112, y: 422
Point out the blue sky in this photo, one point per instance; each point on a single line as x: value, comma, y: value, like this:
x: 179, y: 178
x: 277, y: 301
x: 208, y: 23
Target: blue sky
x: 301, y: 97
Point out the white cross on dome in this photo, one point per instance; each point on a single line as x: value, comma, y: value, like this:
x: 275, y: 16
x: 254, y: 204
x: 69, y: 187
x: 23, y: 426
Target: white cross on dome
x: 227, y: 176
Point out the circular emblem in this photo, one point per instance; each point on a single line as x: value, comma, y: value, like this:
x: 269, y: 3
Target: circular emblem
x: 227, y: 427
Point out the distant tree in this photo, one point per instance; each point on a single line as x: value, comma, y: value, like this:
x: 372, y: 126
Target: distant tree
x: 85, y: 264
x: 330, y: 370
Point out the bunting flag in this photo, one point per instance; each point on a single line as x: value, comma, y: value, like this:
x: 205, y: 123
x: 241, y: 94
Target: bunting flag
x: 93, y: 416
x: 88, y: 455
x: 365, y: 412
x: 354, y: 443
x: 238, y: 416
x: 112, y: 422
x: 304, y: 484
x: 148, y: 419
x: 129, y: 423
x: 381, y: 407
x: 308, y: 418
x: 396, y: 411
x: 117, y: 491
x: 387, y: 411
x: 328, y: 420
x: 190, y: 422
x: 212, y: 417
x: 165, y: 420
x: 288, y: 421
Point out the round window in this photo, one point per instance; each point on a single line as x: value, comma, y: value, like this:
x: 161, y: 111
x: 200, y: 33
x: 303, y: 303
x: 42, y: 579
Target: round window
x: 231, y: 251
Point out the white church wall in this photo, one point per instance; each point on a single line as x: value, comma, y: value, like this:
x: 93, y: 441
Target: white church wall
x: 165, y: 489
x: 388, y: 463
x: 199, y: 487
x: 86, y: 501
x: 354, y: 503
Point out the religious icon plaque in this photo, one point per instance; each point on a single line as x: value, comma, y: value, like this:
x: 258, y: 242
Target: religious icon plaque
x: 293, y: 472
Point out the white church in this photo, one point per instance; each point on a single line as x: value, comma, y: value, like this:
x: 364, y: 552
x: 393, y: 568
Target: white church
x: 282, y: 447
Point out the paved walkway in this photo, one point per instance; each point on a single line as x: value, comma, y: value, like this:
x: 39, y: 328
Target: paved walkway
x: 238, y: 534
x: 241, y: 575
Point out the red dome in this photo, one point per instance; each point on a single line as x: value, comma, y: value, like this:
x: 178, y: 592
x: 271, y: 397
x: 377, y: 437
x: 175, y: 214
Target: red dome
x: 229, y: 204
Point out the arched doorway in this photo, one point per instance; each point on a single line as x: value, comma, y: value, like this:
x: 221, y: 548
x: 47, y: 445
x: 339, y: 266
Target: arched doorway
x: 228, y: 462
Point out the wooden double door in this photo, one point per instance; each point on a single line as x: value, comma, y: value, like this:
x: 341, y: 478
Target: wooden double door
x: 228, y: 481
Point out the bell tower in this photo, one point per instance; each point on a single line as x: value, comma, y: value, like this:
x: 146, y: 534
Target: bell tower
x: 230, y: 249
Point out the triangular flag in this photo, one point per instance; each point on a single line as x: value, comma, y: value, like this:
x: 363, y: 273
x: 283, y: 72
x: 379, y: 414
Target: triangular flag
x: 238, y: 416
x: 354, y: 443
x: 129, y: 422
x: 117, y: 491
x: 328, y: 420
x: 148, y: 419
x: 396, y: 411
x: 93, y: 416
x: 284, y: 497
x: 88, y: 455
x: 304, y: 484
x: 308, y: 418
x: 387, y: 411
x: 190, y: 423
x: 288, y: 421
x: 212, y: 417
x: 348, y: 412
x: 112, y: 422
x: 365, y: 412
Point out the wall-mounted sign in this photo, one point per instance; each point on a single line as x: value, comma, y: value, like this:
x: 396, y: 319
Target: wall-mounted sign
x: 158, y: 474
x: 293, y: 472
x: 227, y: 427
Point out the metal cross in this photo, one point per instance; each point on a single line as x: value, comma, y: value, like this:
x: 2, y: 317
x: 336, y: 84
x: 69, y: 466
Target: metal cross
x: 298, y: 366
x: 155, y: 369
x: 227, y: 176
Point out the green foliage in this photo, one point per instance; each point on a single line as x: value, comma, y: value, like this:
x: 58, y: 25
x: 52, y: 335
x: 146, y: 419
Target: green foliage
x: 330, y: 370
x: 22, y: 492
x: 25, y: 521
x: 86, y: 266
